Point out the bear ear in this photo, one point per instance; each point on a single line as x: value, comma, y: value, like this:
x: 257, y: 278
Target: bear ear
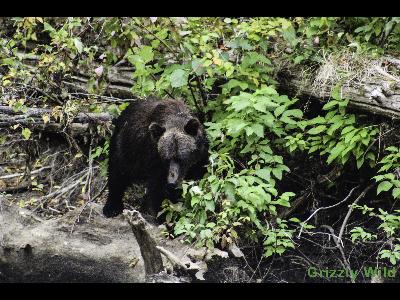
x: 192, y: 126
x: 156, y: 131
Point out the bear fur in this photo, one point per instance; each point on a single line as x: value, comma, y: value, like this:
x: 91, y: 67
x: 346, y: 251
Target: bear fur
x: 159, y: 143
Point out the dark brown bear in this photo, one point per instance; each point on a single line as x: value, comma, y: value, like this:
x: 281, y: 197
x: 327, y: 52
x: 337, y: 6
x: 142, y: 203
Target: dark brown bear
x: 157, y: 142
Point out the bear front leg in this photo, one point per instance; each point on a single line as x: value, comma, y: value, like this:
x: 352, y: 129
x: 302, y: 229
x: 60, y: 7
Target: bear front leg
x: 154, y: 196
x: 116, y: 189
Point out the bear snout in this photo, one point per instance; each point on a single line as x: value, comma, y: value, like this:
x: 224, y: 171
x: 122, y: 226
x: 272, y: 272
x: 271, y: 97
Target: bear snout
x: 174, y: 174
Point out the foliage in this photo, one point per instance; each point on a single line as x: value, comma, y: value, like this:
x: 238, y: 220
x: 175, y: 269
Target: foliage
x: 389, y: 173
x: 101, y: 151
x: 243, y: 193
x: 337, y: 134
x: 389, y: 227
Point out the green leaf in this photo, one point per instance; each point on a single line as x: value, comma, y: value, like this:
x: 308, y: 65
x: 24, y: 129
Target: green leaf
x: 279, y: 110
x: 396, y: 193
x: 249, y: 131
x: 289, y: 33
x: 178, y: 78
x: 298, y: 59
x: 334, y: 127
x: 317, y: 120
x: 263, y: 173
x: 26, y: 133
x: 336, y: 92
x: 229, y: 190
x: 360, y: 162
x: 347, y: 129
x: 241, y: 103
x: 313, y: 149
x: 236, y: 125
x: 7, y: 61
x: 294, y: 220
x: 317, y: 129
x: 335, y: 152
x: 283, y: 202
x: 277, y: 173
x: 235, y: 83
x: 240, y: 43
x: 258, y: 130
x: 384, y: 186
x: 388, y: 27
x: 293, y: 112
x: 146, y: 53
x: 48, y: 27
x: 288, y: 120
x: 210, y: 205
x: 330, y: 104
x: 260, y: 107
x: 78, y: 45
x: 253, y: 57
x: 392, y: 149
x: 197, y: 66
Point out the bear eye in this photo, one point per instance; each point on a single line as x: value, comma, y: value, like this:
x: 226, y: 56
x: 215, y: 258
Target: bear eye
x: 192, y: 126
x: 156, y: 130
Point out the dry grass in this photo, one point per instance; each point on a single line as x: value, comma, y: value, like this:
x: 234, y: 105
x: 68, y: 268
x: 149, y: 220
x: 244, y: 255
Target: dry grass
x: 352, y: 69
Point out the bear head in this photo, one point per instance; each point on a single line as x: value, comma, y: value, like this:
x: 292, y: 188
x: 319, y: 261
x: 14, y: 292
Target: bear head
x: 178, y: 140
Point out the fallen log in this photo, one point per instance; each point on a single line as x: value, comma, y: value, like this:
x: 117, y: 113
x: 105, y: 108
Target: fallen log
x: 32, y: 117
x: 368, y: 83
x: 373, y: 88
x: 118, y: 78
x: 82, y: 117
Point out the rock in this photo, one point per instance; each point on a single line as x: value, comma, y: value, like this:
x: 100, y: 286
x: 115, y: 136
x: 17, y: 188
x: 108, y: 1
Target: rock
x: 164, y: 277
x: 92, y: 248
x: 100, y: 250
x: 234, y: 250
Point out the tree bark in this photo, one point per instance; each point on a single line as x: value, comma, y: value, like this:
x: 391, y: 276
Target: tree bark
x: 376, y: 95
x: 153, y: 263
x: 32, y: 117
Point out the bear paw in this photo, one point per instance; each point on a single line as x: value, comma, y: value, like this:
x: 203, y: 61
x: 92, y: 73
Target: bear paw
x: 110, y: 211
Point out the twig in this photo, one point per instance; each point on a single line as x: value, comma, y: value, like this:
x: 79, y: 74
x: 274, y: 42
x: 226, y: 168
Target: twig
x: 22, y: 174
x: 194, y: 98
x: 19, y: 188
x: 42, y: 92
x: 172, y: 258
x: 338, y: 244
x: 378, y: 138
x: 162, y: 41
x: 351, y: 209
x: 326, y: 207
x: 61, y: 191
x: 202, y: 93
x: 112, y: 99
x: 321, y: 179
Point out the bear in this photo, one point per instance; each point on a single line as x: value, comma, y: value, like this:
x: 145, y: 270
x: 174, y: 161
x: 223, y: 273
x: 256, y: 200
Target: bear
x: 159, y: 143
